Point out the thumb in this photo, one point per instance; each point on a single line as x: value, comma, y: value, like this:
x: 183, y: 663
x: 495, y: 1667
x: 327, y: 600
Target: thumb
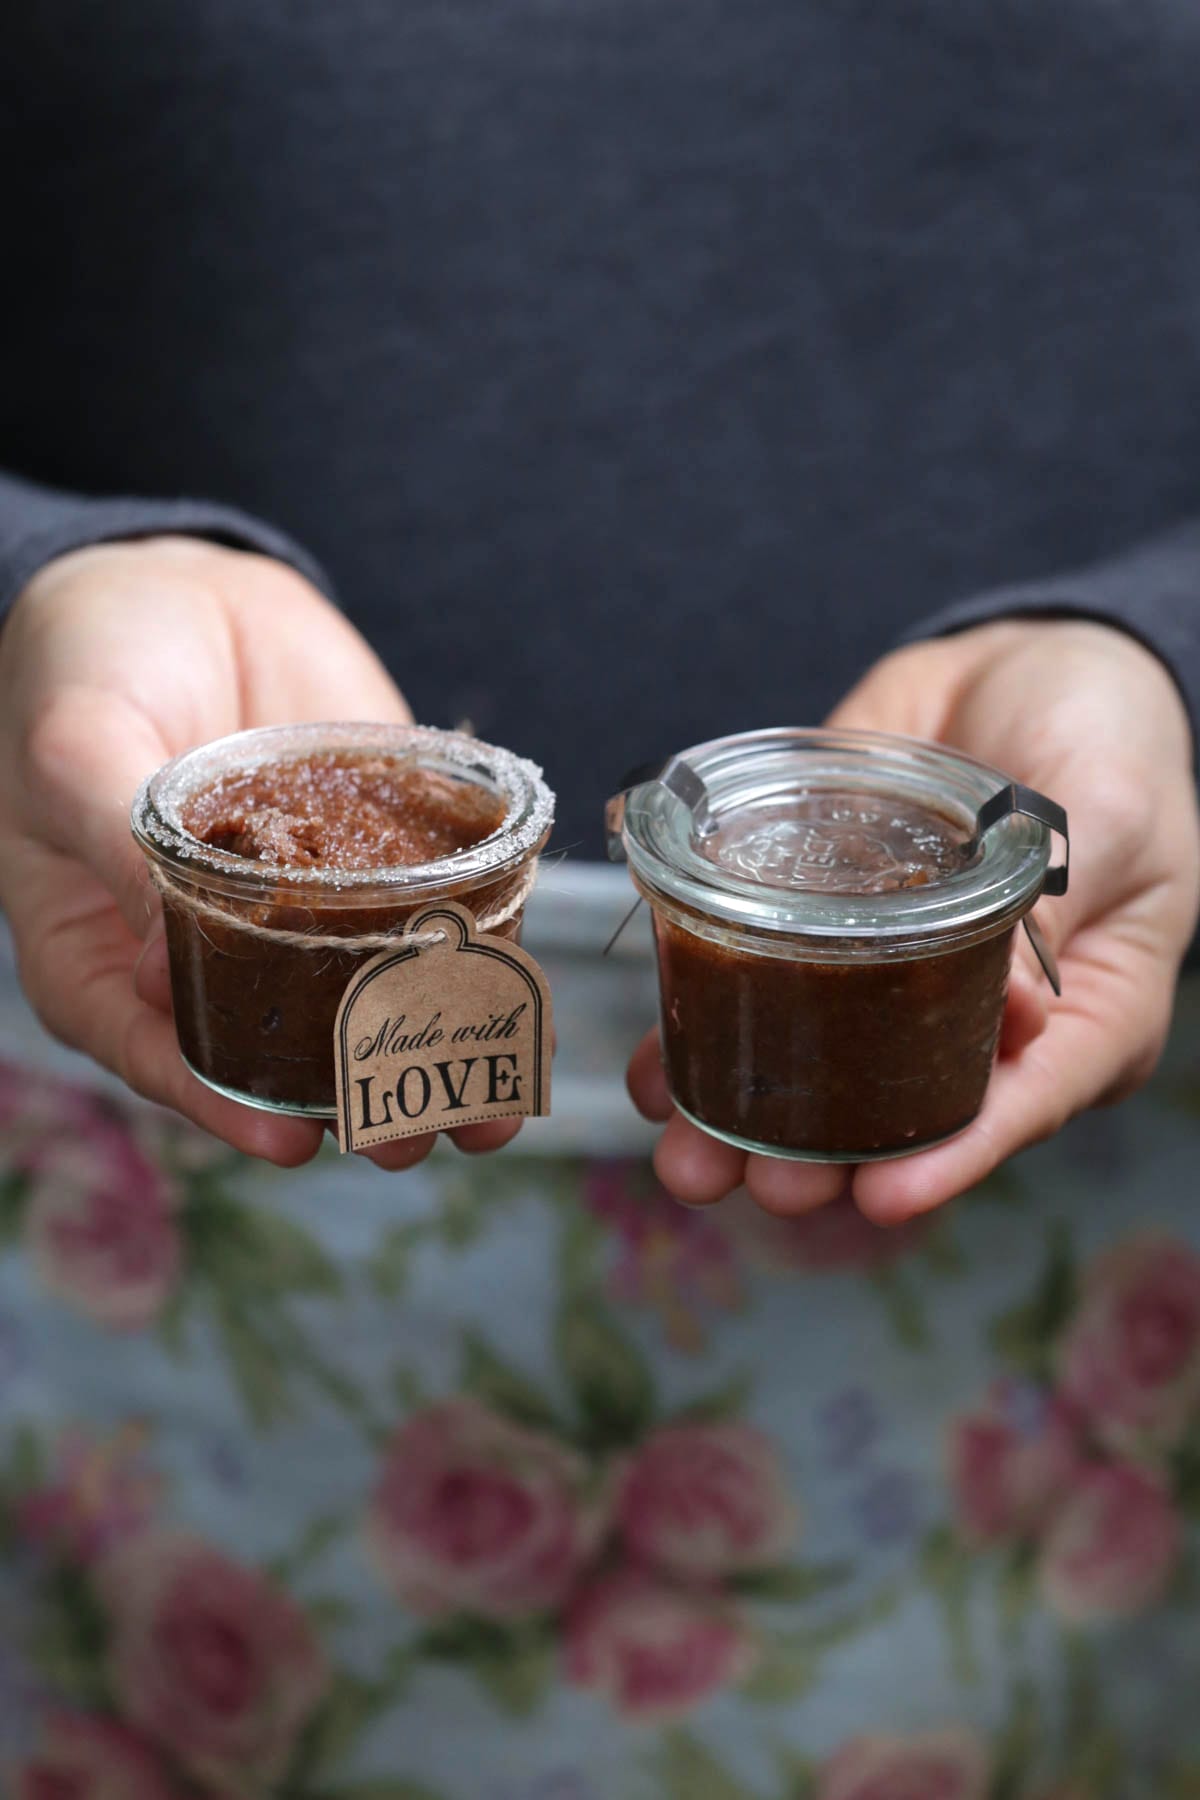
x: 86, y: 754
x: 912, y: 691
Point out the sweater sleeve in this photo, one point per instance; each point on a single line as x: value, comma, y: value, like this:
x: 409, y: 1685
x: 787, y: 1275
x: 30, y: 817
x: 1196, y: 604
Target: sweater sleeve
x: 1151, y: 591
x: 39, y: 523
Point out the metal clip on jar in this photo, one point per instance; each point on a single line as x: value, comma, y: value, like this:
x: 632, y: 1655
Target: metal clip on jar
x: 834, y: 915
x: 261, y: 950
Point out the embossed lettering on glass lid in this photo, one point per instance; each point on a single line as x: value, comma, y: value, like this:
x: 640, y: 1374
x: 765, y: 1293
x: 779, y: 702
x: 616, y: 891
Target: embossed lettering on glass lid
x: 837, y: 841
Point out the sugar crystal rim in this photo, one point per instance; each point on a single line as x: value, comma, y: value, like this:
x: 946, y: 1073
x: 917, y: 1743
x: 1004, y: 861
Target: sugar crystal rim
x: 156, y: 812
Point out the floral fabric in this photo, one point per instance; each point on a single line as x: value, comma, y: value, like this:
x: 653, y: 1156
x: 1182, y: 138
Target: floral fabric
x: 514, y: 1480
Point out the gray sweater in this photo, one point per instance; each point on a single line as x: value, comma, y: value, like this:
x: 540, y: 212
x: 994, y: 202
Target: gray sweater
x: 632, y: 370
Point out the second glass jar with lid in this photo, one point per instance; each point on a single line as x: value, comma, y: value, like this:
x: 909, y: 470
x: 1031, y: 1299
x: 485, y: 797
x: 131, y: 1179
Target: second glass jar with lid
x: 834, y: 939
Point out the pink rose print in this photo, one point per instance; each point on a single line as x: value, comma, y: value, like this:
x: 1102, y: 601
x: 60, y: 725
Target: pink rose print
x: 1006, y: 1481
x: 655, y: 1652
x: 475, y: 1514
x: 702, y: 1501
x: 101, y: 1494
x: 208, y: 1658
x: 36, y: 1109
x: 100, y: 1226
x: 940, y: 1765
x: 833, y: 1237
x: 1111, y: 1546
x: 670, y: 1257
x: 92, y: 1759
x: 1130, y: 1359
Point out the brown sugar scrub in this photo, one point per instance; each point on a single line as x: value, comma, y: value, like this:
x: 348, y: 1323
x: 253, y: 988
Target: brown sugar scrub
x: 833, y: 941
x: 270, y: 846
x: 336, y: 809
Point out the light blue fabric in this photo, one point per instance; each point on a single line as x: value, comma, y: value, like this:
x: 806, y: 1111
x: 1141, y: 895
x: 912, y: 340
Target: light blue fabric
x: 313, y: 1317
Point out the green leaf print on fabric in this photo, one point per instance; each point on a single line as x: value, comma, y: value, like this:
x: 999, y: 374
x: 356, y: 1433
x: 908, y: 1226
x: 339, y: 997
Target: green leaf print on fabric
x: 1093, y: 1752
x: 519, y: 1680
x: 465, y: 1207
x: 1182, y: 1094
x: 24, y: 1463
x: 408, y: 1388
x: 948, y: 1565
x: 253, y: 1364
x: 492, y: 1380
x: 1032, y: 1761
x: 951, y: 1763
x: 384, y: 1788
x: 727, y: 1402
x: 791, y: 1662
x: 1026, y: 1336
x: 390, y: 1264
x: 609, y: 1377
x: 580, y: 1249
x: 685, y: 1770
x: 466, y: 1204
x: 14, y: 1192
x: 71, y: 1637
x: 647, y: 1251
x: 318, y: 1536
x: 787, y: 1670
x: 941, y: 1250
x: 269, y: 1355
x: 1016, y: 1591
x: 350, y: 1706
x: 515, y: 1664
x: 797, y: 1774
x: 247, y: 1251
x: 1185, y: 1474
x: 905, y: 1308
x: 1017, y: 1747
x: 795, y: 1582
x: 328, y: 1613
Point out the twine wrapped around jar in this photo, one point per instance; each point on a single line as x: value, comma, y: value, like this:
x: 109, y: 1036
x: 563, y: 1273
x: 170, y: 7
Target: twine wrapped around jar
x: 321, y: 940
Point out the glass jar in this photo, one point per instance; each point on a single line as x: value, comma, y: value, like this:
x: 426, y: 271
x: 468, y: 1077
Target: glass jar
x: 256, y: 972
x: 834, y: 936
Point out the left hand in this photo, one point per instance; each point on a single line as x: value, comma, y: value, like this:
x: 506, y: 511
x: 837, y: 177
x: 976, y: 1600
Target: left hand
x: 114, y: 658
x: 1086, y: 714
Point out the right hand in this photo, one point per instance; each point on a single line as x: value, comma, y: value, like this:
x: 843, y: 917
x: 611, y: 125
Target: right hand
x: 113, y: 659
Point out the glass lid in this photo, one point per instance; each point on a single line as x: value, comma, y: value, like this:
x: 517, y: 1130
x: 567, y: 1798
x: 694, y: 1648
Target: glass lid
x: 836, y: 833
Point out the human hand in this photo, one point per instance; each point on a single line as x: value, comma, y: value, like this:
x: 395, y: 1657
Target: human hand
x: 1087, y: 715
x: 113, y: 659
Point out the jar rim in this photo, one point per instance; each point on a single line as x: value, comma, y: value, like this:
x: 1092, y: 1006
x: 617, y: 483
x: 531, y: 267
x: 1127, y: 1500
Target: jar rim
x: 1000, y: 883
x: 158, y: 828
